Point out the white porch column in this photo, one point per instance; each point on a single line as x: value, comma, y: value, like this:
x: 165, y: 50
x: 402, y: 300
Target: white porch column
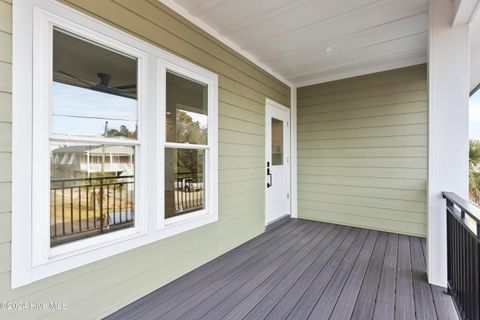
x: 448, y: 73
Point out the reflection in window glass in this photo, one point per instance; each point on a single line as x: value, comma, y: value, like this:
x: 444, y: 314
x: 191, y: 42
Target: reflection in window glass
x: 92, y: 190
x: 187, y: 116
x: 277, y: 142
x: 94, y: 94
x: 94, y: 89
x: 184, y: 181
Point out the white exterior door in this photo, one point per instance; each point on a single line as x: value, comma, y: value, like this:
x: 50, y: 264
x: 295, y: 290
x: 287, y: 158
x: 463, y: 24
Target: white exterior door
x: 277, y: 161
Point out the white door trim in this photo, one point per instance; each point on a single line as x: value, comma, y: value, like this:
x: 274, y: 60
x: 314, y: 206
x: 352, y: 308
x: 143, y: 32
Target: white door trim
x: 288, y: 145
x: 293, y: 153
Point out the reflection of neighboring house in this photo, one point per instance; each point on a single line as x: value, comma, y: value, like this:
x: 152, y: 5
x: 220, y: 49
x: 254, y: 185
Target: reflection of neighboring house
x: 75, y: 161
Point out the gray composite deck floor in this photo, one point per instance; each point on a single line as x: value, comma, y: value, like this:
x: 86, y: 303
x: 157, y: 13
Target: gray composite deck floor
x: 304, y: 270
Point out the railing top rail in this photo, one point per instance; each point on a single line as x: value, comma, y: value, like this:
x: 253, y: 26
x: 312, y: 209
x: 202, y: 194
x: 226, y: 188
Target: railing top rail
x: 466, y: 207
x: 92, y: 178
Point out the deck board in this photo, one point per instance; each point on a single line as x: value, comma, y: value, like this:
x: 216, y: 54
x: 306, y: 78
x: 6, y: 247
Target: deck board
x: 344, y: 307
x: 385, y: 305
x: 304, y: 270
x: 284, y: 298
x: 404, y: 303
x: 365, y: 304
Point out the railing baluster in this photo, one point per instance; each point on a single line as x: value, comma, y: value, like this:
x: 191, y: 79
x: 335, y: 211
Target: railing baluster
x: 102, y: 222
x: 108, y: 204
x: 114, y: 202
x: 80, y: 208
x: 55, y: 211
x: 87, y: 207
x: 120, y: 204
x: 63, y: 207
x: 94, y: 206
x: 71, y: 211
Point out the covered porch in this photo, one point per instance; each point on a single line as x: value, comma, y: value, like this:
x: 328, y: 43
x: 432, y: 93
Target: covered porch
x: 374, y: 221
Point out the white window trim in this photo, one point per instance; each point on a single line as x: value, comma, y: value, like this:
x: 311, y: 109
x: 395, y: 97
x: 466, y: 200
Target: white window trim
x: 32, y: 259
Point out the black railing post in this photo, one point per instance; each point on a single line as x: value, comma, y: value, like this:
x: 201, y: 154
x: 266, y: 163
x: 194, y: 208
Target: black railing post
x: 476, y: 274
x: 463, y: 255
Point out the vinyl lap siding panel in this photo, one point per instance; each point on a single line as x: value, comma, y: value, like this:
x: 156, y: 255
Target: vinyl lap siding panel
x: 98, y: 289
x: 362, y: 151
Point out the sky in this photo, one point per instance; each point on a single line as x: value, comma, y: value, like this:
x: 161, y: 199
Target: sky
x: 79, y: 111
x: 474, y: 114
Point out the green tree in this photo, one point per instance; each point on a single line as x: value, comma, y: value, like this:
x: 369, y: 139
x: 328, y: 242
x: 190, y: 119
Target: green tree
x: 474, y: 171
x: 121, y: 132
x: 190, y: 131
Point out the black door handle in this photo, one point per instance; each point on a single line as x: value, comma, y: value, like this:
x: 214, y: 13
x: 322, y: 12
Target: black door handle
x: 269, y: 183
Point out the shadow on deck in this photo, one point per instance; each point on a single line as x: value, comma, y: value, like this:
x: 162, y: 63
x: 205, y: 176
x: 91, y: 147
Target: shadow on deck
x: 305, y: 270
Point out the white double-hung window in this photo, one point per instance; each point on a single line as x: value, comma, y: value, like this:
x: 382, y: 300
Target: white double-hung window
x: 114, y: 142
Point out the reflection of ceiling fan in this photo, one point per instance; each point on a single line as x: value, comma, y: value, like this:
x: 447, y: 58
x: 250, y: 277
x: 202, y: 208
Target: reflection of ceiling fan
x: 102, y: 85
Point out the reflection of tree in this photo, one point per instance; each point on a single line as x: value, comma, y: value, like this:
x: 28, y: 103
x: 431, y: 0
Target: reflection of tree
x: 189, y: 130
x: 187, y: 160
x: 123, y: 132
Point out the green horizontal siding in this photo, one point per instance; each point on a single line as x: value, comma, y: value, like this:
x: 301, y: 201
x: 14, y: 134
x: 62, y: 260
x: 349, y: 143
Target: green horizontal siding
x: 362, y: 151
x: 96, y: 290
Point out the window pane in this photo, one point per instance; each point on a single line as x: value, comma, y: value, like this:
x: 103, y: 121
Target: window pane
x: 187, y: 110
x: 184, y: 181
x: 92, y: 190
x: 94, y: 89
x: 277, y: 142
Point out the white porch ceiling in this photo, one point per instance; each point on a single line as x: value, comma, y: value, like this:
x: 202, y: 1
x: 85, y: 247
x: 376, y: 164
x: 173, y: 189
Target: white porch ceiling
x: 309, y: 41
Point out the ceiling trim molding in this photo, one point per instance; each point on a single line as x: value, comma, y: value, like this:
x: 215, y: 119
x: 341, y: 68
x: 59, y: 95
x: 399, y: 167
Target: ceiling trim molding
x: 353, y: 63
x: 465, y: 11
x: 361, y: 72
x: 214, y: 33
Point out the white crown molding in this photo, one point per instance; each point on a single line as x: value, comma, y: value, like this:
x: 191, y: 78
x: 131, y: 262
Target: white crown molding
x: 214, y: 33
x: 465, y: 11
x: 361, y: 72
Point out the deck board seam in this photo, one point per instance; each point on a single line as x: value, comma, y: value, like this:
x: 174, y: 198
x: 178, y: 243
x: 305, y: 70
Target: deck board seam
x: 317, y: 232
x: 298, y: 227
x: 334, y: 230
x: 336, y: 269
x: 364, y: 275
x: 341, y: 240
x: 281, y: 250
x: 349, y: 272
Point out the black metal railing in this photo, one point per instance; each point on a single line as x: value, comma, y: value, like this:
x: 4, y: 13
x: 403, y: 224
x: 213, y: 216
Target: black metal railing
x: 84, y: 207
x: 463, y: 252
x: 189, y: 192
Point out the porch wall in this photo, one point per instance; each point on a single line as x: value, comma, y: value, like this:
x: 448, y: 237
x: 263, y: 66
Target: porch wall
x: 362, y: 151
x: 100, y: 288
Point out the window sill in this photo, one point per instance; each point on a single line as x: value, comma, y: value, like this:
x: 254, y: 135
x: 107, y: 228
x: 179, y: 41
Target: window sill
x: 64, y: 259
